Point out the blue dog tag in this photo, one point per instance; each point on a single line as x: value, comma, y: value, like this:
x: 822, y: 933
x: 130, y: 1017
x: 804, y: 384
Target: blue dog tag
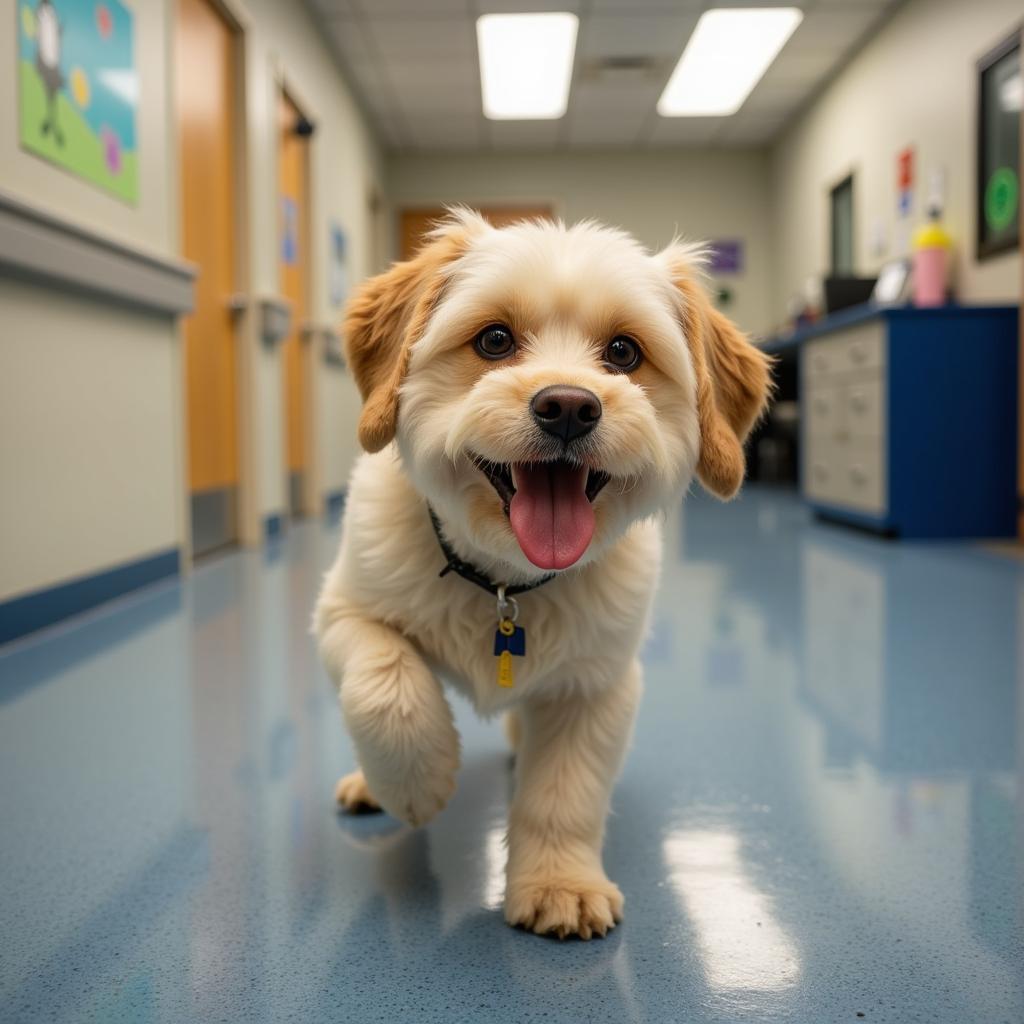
x: 513, y: 642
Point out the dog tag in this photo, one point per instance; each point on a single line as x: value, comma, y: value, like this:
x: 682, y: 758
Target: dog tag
x: 509, y: 640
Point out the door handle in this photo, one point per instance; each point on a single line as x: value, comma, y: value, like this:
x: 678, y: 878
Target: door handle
x: 237, y: 303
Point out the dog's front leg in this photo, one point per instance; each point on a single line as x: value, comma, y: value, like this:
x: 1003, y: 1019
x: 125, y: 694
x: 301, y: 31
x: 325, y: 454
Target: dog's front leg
x: 400, y: 722
x: 568, y: 757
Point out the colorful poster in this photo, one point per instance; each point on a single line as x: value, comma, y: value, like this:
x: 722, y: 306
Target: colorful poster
x: 79, y: 89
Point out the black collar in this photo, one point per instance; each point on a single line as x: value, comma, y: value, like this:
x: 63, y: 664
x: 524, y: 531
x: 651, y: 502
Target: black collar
x: 471, y: 573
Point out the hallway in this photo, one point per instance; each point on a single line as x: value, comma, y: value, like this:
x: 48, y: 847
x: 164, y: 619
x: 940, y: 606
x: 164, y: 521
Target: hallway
x: 821, y: 818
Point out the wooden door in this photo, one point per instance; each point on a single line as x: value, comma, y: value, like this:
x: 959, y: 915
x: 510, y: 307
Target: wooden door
x: 415, y: 224
x: 205, y: 95
x: 293, y: 258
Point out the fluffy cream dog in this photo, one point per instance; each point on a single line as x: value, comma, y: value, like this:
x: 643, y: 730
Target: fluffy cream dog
x: 546, y: 392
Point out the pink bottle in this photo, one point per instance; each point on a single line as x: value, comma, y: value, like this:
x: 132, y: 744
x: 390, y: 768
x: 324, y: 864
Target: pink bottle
x: 932, y: 245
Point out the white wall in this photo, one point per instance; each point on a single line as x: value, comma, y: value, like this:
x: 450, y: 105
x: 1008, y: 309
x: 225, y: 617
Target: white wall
x: 699, y: 194
x: 914, y: 84
x: 89, y: 422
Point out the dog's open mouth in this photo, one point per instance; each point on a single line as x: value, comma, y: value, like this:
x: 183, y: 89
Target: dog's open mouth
x: 549, y: 506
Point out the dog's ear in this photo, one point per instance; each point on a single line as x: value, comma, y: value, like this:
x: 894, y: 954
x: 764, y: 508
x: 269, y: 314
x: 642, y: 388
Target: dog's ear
x: 388, y: 313
x: 733, y: 378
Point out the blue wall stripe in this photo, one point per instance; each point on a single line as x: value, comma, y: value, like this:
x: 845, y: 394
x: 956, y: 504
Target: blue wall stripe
x: 22, y: 615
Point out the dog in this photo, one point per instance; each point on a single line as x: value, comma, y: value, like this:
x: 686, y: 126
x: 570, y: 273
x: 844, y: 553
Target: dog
x: 534, y: 399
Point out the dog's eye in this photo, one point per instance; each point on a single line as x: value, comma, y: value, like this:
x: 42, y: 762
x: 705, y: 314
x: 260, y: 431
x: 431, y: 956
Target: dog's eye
x: 495, y: 342
x: 622, y: 354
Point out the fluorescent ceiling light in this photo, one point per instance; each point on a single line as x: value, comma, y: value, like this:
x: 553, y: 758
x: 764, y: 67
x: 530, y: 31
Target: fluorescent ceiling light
x: 729, y: 51
x: 526, y: 64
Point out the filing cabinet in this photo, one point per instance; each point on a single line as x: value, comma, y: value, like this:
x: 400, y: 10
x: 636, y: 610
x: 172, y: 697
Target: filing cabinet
x: 909, y: 420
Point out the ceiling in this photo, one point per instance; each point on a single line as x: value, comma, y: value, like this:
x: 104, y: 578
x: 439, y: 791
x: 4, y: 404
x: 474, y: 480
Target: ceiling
x: 414, y: 65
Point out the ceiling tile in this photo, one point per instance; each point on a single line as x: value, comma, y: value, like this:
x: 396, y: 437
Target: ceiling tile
x: 803, y: 68
x: 393, y: 132
x: 422, y: 101
x: 630, y: 35
x: 414, y: 63
x: 524, y: 134
x: 333, y: 8
x: 602, y: 131
x: 841, y: 27
x: 612, y: 101
x: 753, y: 131
x: 349, y: 38
x: 525, y: 6
x: 774, y: 99
x: 684, y: 131
x: 803, y: 4
x: 440, y: 38
x: 642, y: 7
x: 415, y: 8
x: 455, y: 72
x: 446, y: 132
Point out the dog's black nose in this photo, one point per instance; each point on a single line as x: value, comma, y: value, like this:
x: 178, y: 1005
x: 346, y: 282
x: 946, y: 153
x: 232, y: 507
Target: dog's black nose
x: 566, y: 412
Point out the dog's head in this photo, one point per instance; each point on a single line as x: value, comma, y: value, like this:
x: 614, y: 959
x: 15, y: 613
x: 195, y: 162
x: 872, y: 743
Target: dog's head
x: 549, y: 386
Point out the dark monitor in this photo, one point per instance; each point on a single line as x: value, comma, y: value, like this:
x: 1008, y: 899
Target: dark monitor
x: 844, y: 292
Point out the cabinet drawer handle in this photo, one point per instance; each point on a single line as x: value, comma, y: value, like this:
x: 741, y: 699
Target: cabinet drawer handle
x: 858, y: 476
x: 858, y: 403
x: 858, y: 353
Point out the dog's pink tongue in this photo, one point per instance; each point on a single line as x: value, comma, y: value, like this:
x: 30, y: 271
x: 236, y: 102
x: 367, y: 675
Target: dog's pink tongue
x: 550, y: 514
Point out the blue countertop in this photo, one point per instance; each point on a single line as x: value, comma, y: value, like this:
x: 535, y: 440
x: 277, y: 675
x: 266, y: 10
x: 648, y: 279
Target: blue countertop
x: 869, y: 311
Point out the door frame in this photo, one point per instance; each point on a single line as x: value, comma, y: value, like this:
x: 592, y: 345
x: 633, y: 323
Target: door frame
x: 245, y: 335
x: 417, y: 203
x: 284, y: 85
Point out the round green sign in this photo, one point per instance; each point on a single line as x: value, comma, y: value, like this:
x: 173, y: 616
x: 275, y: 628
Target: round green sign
x: 1001, y: 195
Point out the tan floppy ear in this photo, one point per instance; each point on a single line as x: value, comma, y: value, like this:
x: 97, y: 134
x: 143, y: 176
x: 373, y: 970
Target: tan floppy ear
x: 387, y: 314
x: 733, y: 380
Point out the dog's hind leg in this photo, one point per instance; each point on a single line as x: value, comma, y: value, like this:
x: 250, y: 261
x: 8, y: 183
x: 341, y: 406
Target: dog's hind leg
x: 400, y: 722
x: 568, y: 759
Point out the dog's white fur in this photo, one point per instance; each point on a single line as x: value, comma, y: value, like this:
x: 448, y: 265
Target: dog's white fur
x: 389, y: 626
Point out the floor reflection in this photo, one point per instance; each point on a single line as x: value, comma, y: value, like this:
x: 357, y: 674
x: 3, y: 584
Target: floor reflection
x: 822, y: 814
x: 742, y: 944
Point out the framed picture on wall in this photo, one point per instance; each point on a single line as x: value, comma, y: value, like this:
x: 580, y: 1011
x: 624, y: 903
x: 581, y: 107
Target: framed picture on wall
x: 78, y: 89
x: 1000, y: 98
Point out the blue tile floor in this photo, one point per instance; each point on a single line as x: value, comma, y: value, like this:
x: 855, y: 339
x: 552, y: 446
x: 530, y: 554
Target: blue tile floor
x: 821, y: 819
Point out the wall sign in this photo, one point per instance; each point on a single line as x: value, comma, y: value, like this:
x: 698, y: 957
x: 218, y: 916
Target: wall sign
x: 78, y: 89
x: 289, y: 231
x: 905, y: 181
x: 338, y: 270
x: 1000, y: 99
x: 725, y: 256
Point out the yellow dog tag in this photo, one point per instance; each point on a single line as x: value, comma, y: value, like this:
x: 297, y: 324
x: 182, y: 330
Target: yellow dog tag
x: 505, y: 669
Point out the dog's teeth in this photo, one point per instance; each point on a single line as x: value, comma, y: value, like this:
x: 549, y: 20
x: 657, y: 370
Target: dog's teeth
x: 512, y: 472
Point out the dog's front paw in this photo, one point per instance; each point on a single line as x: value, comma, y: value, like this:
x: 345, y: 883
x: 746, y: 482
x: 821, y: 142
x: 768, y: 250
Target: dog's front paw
x: 586, y: 906
x: 419, y: 797
x: 353, y: 794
